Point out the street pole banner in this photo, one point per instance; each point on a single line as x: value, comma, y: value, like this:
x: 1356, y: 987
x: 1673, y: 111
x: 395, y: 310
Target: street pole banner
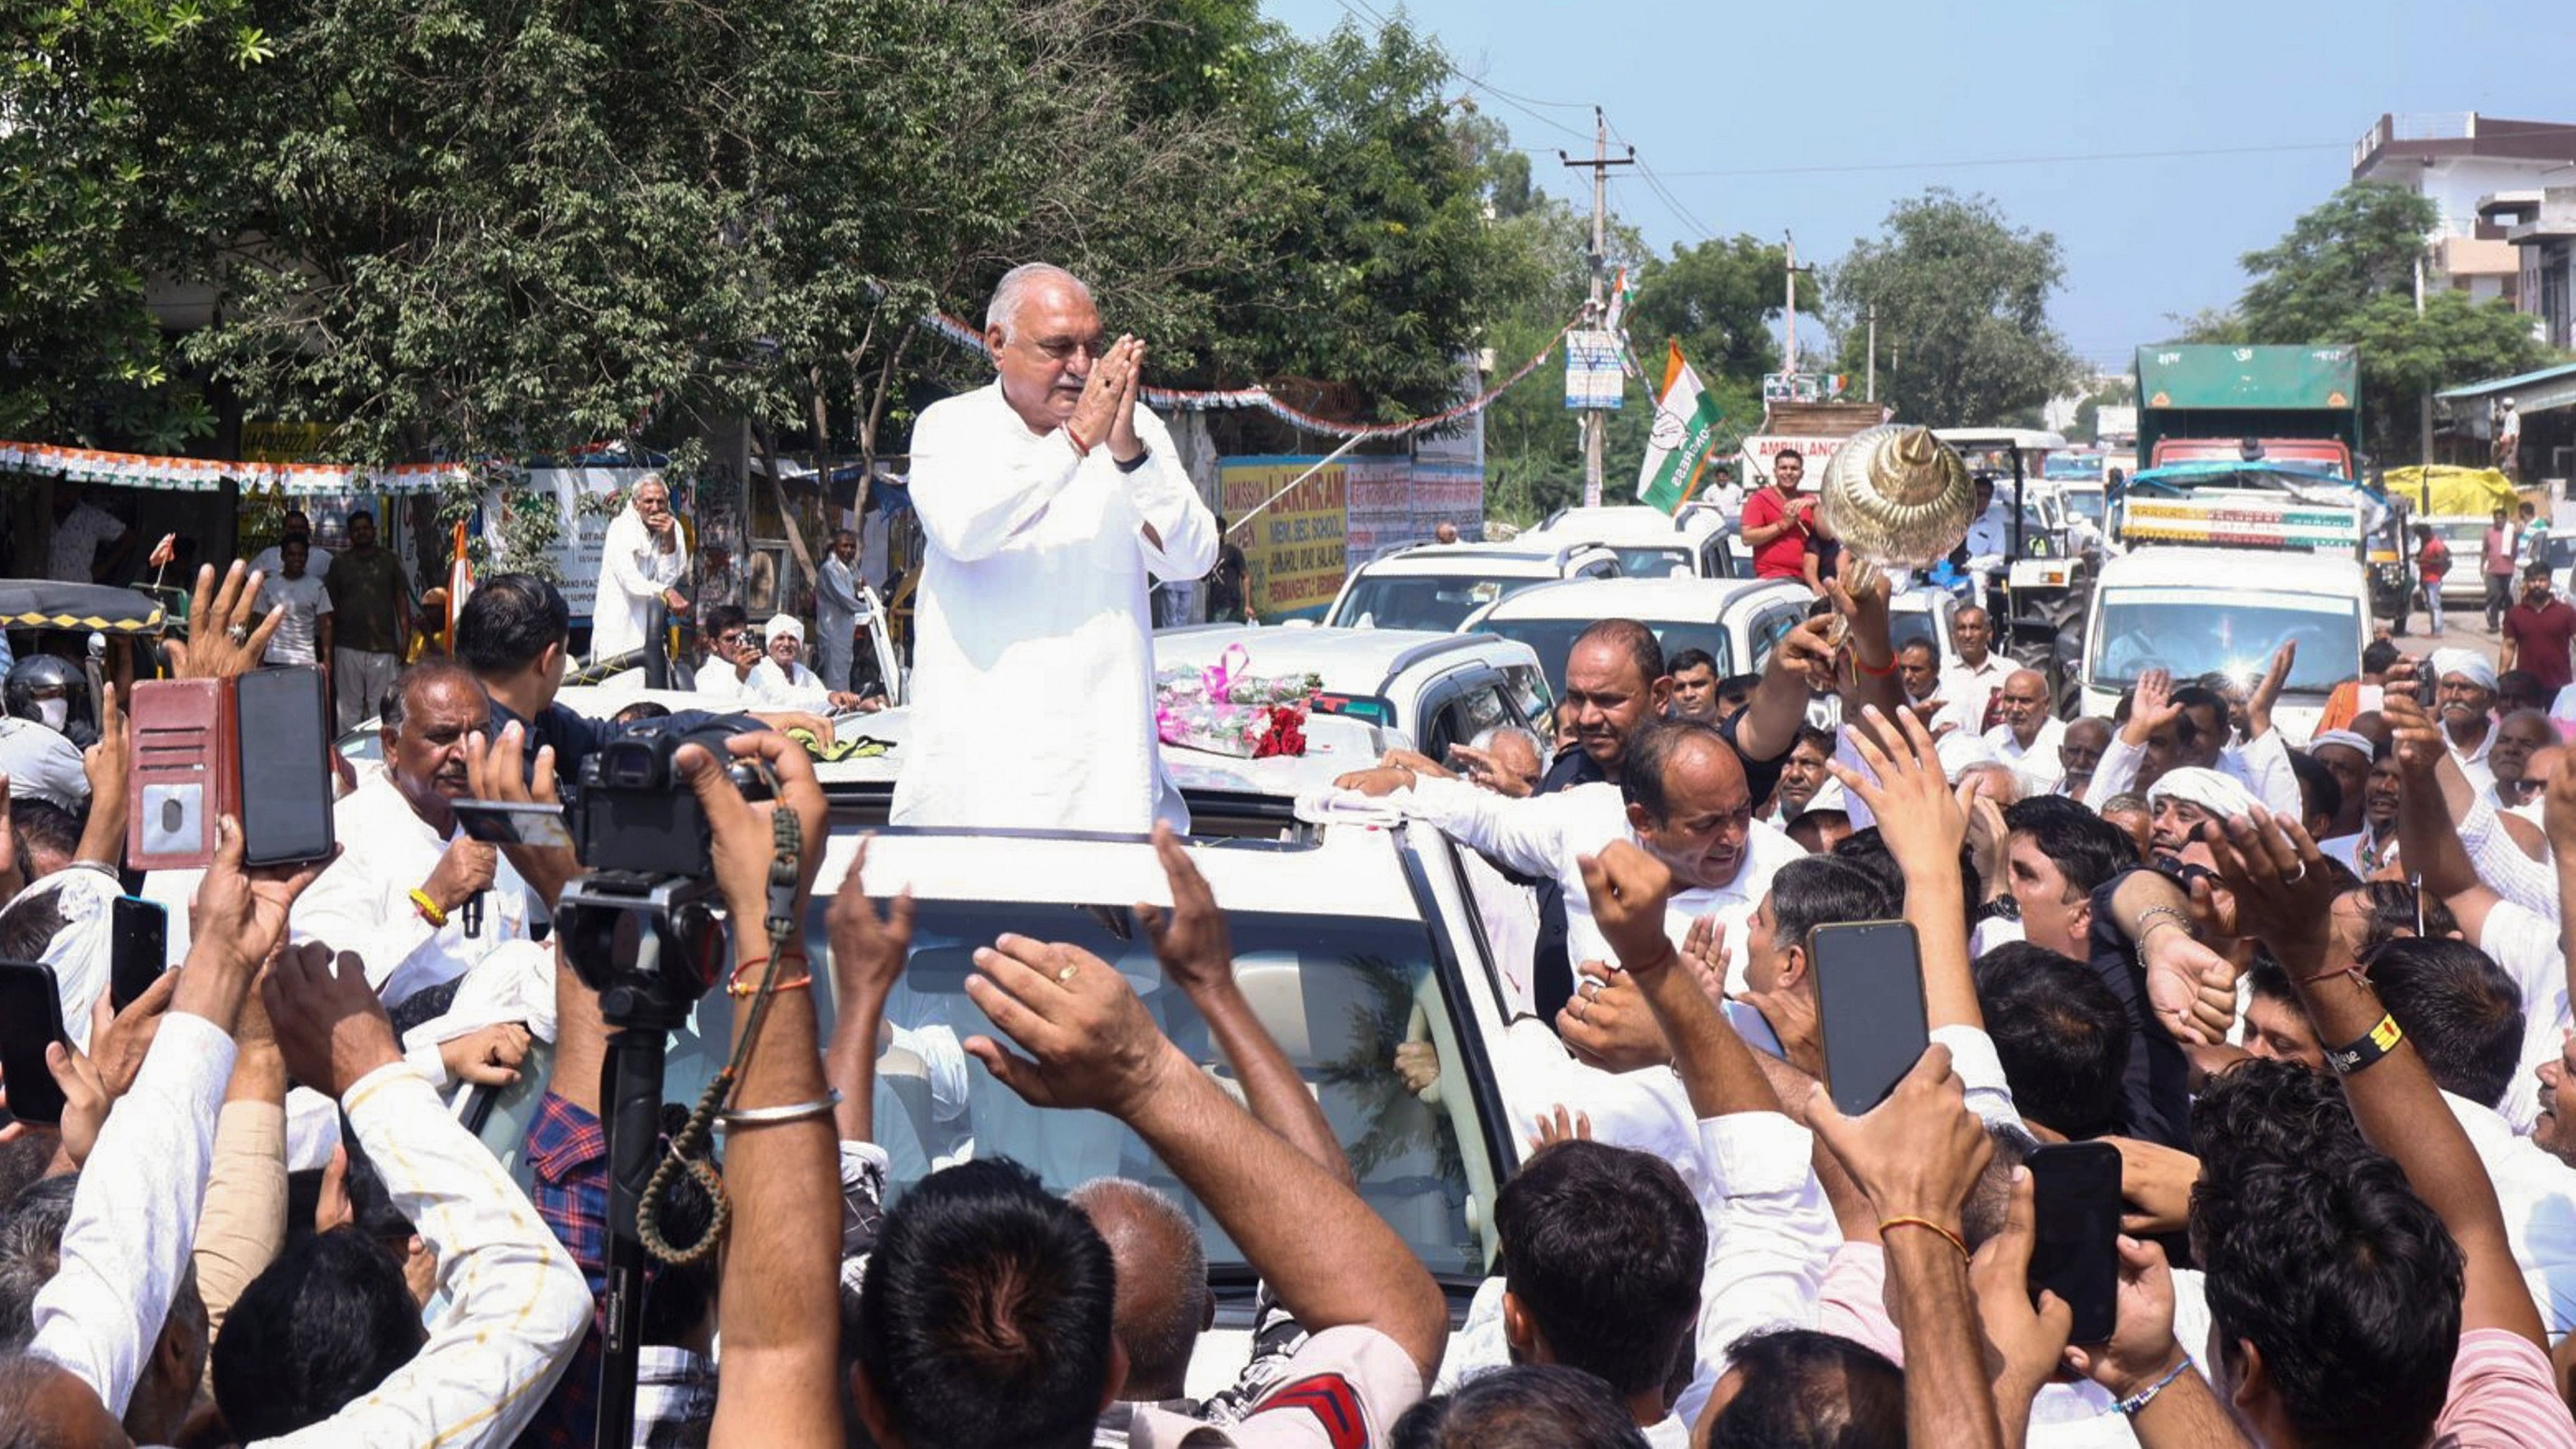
x: 1677, y: 447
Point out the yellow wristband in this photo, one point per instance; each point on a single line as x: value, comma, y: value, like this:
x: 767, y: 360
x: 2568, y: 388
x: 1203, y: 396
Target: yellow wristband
x: 428, y: 909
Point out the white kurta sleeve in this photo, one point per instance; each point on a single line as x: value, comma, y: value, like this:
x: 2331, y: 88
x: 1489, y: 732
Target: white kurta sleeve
x: 1770, y: 1236
x: 836, y: 587
x: 2500, y: 863
x: 2264, y: 765
x: 975, y: 487
x: 134, y: 1215
x: 351, y: 907
x: 516, y: 1304
x: 1526, y: 835
x: 632, y: 563
x: 1169, y: 502
x: 2114, y: 773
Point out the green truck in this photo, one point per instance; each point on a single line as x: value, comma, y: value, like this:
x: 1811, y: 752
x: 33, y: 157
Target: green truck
x: 2201, y: 403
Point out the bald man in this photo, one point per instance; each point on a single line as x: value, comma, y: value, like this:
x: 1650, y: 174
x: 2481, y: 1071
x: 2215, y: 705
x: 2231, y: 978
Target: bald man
x: 45, y: 1403
x: 2079, y: 749
x: 2028, y: 737
x: 1163, y: 1298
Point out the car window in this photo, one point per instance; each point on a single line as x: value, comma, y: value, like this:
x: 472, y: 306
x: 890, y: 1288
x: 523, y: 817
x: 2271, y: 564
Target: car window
x: 1657, y: 562
x: 1769, y: 627
x: 1438, y: 604
x: 1528, y: 691
x: 1464, y: 716
x: 1552, y: 639
x: 1600, y: 568
x: 1338, y: 993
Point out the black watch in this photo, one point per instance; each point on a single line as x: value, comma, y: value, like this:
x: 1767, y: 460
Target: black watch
x: 1132, y: 464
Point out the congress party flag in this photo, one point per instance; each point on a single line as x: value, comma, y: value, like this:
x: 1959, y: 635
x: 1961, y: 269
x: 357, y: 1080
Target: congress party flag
x: 1677, y: 448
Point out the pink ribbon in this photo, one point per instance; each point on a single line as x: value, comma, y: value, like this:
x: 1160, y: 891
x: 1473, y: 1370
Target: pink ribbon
x: 1218, y: 678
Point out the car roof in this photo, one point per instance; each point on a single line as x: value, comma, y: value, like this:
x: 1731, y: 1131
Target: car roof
x: 1340, y: 870
x: 1633, y: 524
x: 1671, y: 598
x: 1358, y: 661
x: 1481, y: 560
x: 1334, y: 746
x: 2252, y: 570
x: 2028, y: 439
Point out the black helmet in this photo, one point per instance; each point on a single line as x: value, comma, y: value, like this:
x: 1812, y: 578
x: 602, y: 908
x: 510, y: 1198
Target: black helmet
x: 40, y: 679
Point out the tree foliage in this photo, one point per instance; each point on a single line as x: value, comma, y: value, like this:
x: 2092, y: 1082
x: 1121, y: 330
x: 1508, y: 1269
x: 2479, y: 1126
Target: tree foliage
x: 1962, y: 300
x: 2345, y: 273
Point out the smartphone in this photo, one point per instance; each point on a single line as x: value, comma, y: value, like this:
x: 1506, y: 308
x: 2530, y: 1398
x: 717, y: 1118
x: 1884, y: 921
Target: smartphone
x: 1869, y: 1008
x: 2075, y: 1197
x: 138, y: 948
x: 504, y: 822
x: 2428, y: 682
x: 31, y: 1017
x: 285, y: 766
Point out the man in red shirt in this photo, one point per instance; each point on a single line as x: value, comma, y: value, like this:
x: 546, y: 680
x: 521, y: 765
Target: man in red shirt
x: 1777, y: 522
x: 2537, y: 630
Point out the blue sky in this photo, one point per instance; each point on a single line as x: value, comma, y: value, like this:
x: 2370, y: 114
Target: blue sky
x: 1704, y: 87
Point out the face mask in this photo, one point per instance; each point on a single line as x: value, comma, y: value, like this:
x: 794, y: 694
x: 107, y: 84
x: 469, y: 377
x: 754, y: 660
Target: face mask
x: 53, y: 713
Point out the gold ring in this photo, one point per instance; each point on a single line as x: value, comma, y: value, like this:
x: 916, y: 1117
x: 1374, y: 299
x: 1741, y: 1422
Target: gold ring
x: 1066, y: 974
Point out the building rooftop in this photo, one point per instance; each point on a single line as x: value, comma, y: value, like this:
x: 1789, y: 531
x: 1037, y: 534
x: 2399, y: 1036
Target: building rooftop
x: 2439, y: 136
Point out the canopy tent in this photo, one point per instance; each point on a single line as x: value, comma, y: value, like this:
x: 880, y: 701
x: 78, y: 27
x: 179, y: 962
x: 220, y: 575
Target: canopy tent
x: 2532, y: 392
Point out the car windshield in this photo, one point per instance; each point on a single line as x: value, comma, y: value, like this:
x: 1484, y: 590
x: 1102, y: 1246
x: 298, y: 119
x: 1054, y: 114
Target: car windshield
x: 2085, y: 503
x: 1652, y: 563
x: 2192, y: 632
x: 1338, y: 993
x: 1553, y: 639
x: 1439, y: 603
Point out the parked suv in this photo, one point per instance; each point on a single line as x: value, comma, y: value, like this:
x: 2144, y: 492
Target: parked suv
x: 1437, y: 689
x: 1434, y: 585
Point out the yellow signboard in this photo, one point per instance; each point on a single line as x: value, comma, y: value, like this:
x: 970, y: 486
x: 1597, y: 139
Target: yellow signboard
x: 1292, y: 549
x: 275, y: 442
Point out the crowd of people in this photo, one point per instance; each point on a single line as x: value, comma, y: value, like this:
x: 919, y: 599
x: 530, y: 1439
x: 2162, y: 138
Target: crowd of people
x: 2315, y: 996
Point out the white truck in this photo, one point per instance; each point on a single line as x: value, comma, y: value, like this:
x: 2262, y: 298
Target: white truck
x: 2225, y: 611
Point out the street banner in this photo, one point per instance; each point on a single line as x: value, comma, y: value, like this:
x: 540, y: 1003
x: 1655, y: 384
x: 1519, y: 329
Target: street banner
x: 1677, y: 447
x: 1593, y: 375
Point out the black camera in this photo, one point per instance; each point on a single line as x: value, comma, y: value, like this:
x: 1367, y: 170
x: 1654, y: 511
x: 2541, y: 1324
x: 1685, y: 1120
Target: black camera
x: 636, y: 815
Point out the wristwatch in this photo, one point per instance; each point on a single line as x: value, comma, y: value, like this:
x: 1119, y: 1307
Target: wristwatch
x: 1132, y: 464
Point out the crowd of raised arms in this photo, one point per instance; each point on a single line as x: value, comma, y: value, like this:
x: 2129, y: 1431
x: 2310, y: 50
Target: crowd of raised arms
x: 2315, y: 998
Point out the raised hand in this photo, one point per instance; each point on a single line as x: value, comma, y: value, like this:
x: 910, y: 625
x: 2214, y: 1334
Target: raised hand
x: 2277, y: 876
x: 1919, y: 815
x: 1705, y: 952
x: 331, y: 1026
x: 2191, y: 990
x: 2142, y: 1349
x: 239, y: 914
x: 211, y: 650
x: 1561, y: 1127
x: 496, y: 768
x: 1124, y: 445
x: 1090, y: 1042
x: 2267, y: 692
x: 1916, y: 1154
x: 1628, y: 889
x: 1190, y: 940
x: 2413, y: 737
x: 2151, y: 707
x: 2029, y: 1340
x: 1097, y: 411
x: 868, y: 950
x: 744, y: 841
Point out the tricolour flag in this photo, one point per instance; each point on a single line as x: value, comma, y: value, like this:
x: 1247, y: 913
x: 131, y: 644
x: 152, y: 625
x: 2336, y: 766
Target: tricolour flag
x: 1678, y: 445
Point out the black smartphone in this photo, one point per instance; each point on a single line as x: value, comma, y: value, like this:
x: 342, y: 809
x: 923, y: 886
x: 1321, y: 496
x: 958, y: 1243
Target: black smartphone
x: 31, y: 1018
x: 1869, y: 1008
x: 505, y: 822
x: 2428, y: 682
x: 138, y: 949
x: 2075, y: 1198
x: 285, y: 766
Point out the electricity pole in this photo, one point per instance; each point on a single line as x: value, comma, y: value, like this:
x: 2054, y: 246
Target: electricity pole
x: 1600, y: 163
x: 1789, y: 319
x: 1872, y: 395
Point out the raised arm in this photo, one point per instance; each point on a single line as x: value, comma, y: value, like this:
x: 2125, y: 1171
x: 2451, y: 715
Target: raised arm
x: 1331, y: 1261
x: 868, y: 956
x: 1527, y: 835
x: 1872, y: 682
x: 1769, y: 724
x: 103, y: 839
x: 782, y: 1256
x: 2284, y: 896
x: 1920, y: 819
x: 1195, y: 950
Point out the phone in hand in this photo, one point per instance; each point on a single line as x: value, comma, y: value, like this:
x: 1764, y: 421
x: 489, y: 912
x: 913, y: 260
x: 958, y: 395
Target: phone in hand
x: 138, y: 948
x: 31, y: 1019
x: 509, y: 822
x: 1869, y: 1008
x: 2075, y: 1199
x: 286, y: 774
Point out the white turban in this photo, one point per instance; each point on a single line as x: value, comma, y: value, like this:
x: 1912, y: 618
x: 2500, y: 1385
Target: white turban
x: 2469, y: 664
x: 786, y: 624
x: 81, y: 947
x: 2215, y: 791
x: 2349, y: 739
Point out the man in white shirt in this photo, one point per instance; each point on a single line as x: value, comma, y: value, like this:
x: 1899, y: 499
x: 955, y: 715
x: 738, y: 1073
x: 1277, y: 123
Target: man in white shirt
x: 2028, y: 737
x: 305, y: 635
x: 1047, y: 499
x: 1989, y: 540
x: 782, y: 681
x: 414, y: 898
x: 732, y: 655
x: 80, y: 526
x: 272, y: 559
x: 1681, y: 796
x: 839, y: 606
x: 640, y: 561
x: 1969, y: 685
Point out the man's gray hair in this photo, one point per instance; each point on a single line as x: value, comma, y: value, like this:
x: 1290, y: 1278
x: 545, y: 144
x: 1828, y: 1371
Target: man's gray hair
x: 1486, y: 737
x: 1004, y: 310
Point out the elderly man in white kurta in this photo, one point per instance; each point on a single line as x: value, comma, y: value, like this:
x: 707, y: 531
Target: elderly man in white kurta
x: 1047, y: 498
x: 640, y: 561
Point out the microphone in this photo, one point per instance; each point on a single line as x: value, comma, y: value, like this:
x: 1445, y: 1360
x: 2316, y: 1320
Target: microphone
x: 472, y: 915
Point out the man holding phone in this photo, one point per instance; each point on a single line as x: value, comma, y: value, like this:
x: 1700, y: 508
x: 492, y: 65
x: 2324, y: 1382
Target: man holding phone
x: 413, y: 896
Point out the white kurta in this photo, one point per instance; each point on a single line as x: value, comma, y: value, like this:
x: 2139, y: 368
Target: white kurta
x: 362, y: 902
x: 790, y: 687
x: 633, y: 572
x: 1033, y: 666
x: 837, y: 606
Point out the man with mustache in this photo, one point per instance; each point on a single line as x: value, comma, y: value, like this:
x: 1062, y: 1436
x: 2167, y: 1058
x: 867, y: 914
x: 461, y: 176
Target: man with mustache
x: 1047, y: 500
x: 407, y: 881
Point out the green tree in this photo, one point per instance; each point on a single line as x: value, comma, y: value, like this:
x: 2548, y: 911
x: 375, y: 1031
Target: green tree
x: 1719, y: 297
x: 2088, y: 413
x: 1962, y: 298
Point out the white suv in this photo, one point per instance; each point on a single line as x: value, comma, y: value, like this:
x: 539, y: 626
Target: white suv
x: 1434, y: 585
x: 1737, y: 621
x: 1650, y: 543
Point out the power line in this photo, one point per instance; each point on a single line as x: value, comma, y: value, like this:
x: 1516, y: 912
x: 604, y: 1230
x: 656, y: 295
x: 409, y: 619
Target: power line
x: 2022, y: 160
x: 1523, y: 104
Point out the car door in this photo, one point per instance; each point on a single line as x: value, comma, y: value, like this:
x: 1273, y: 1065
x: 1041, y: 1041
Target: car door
x: 1460, y: 707
x: 1768, y: 627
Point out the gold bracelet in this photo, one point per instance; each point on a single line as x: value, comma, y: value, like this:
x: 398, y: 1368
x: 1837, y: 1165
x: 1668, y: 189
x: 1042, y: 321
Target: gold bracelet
x: 1956, y: 1241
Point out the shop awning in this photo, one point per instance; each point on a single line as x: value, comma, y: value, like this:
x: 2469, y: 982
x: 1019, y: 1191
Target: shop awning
x: 2551, y: 387
x: 207, y: 475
